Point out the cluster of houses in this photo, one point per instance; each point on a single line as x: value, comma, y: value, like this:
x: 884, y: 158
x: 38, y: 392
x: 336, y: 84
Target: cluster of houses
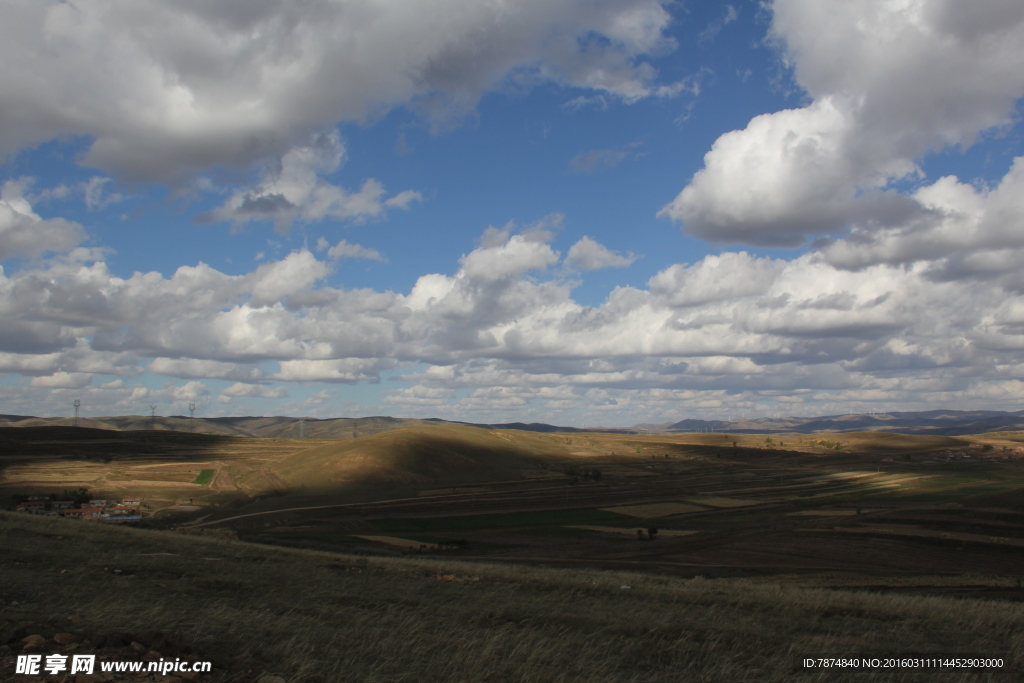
x: 115, y: 511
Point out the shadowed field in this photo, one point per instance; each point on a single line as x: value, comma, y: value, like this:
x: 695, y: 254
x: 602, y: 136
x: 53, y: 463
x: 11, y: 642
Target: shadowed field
x: 311, y: 616
x: 858, y: 504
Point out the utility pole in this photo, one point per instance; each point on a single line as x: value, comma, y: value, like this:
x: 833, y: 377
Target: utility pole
x: 191, y: 417
x: 77, y: 403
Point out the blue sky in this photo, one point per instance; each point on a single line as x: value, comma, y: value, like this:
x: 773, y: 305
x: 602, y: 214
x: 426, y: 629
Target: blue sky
x: 595, y: 212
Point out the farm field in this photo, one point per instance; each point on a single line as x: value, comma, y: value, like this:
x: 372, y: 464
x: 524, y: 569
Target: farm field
x: 310, y: 616
x: 822, y: 507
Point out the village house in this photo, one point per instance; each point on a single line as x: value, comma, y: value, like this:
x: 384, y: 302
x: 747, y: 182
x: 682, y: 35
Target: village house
x: 105, y: 510
x: 84, y: 513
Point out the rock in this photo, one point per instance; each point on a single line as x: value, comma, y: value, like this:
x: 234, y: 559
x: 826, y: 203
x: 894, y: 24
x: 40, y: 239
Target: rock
x: 139, y: 647
x: 32, y: 643
x: 152, y: 656
x: 65, y: 638
x: 172, y: 679
x: 267, y: 678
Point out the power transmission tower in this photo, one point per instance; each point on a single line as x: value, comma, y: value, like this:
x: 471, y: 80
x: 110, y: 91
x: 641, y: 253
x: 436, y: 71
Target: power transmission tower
x: 152, y: 417
x: 191, y: 417
x: 77, y: 403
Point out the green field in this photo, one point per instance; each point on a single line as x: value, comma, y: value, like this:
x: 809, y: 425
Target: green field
x: 204, y: 478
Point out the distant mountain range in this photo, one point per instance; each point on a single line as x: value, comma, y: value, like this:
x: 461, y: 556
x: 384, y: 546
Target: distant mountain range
x: 937, y: 422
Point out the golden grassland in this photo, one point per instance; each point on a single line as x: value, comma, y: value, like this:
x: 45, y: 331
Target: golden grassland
x: 315, y: 616
x: 164, y: 466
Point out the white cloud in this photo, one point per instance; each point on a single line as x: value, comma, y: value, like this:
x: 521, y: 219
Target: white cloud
x: 96, y: 196
x: 199, y: 86
x: 202, y: 369
x: 345, y: 250
x: 63, y: 380
x: 729, y: 333
x: 890, y: 82
x: 239, y: 389
x: 293, y: 190
x: 587, y: 254
x: 966, y: 231
x: 24, y: 233
x: 418, y: 395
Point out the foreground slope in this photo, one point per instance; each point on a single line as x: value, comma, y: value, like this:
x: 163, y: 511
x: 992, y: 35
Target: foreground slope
x: 317, y: 617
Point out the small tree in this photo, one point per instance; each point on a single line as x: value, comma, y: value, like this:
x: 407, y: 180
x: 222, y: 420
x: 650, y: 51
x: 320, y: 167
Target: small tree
x: 652, y: 532
x: 639, y: 534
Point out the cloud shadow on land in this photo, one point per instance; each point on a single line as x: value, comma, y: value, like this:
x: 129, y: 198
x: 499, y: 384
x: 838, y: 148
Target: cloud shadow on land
x: 47, y: 444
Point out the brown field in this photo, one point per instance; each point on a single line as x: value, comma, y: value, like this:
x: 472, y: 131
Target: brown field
x: 513, y: 496
x: 882, y: 514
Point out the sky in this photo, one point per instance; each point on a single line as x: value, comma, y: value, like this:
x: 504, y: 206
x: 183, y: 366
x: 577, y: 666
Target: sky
x: 583, y: 212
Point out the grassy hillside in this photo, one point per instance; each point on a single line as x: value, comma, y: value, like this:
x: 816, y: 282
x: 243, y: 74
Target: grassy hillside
x: 424, y: 456
x: 314, y: 616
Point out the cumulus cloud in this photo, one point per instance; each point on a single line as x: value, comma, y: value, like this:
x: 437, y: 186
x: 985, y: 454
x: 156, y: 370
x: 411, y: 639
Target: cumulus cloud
x: 418, y: 395
x: 889, y: 82
x: 588, y: 254
x: 731, y: 332
x: 24, y: 233
x: 967, y: 231
x: 226, y: 85
x: 294, y: 190
x: 193, y: 368
x: 239, y: 389
x: 63, y: 380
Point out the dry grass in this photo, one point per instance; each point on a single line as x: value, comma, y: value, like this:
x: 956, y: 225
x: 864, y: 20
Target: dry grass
x: 312, y: 616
